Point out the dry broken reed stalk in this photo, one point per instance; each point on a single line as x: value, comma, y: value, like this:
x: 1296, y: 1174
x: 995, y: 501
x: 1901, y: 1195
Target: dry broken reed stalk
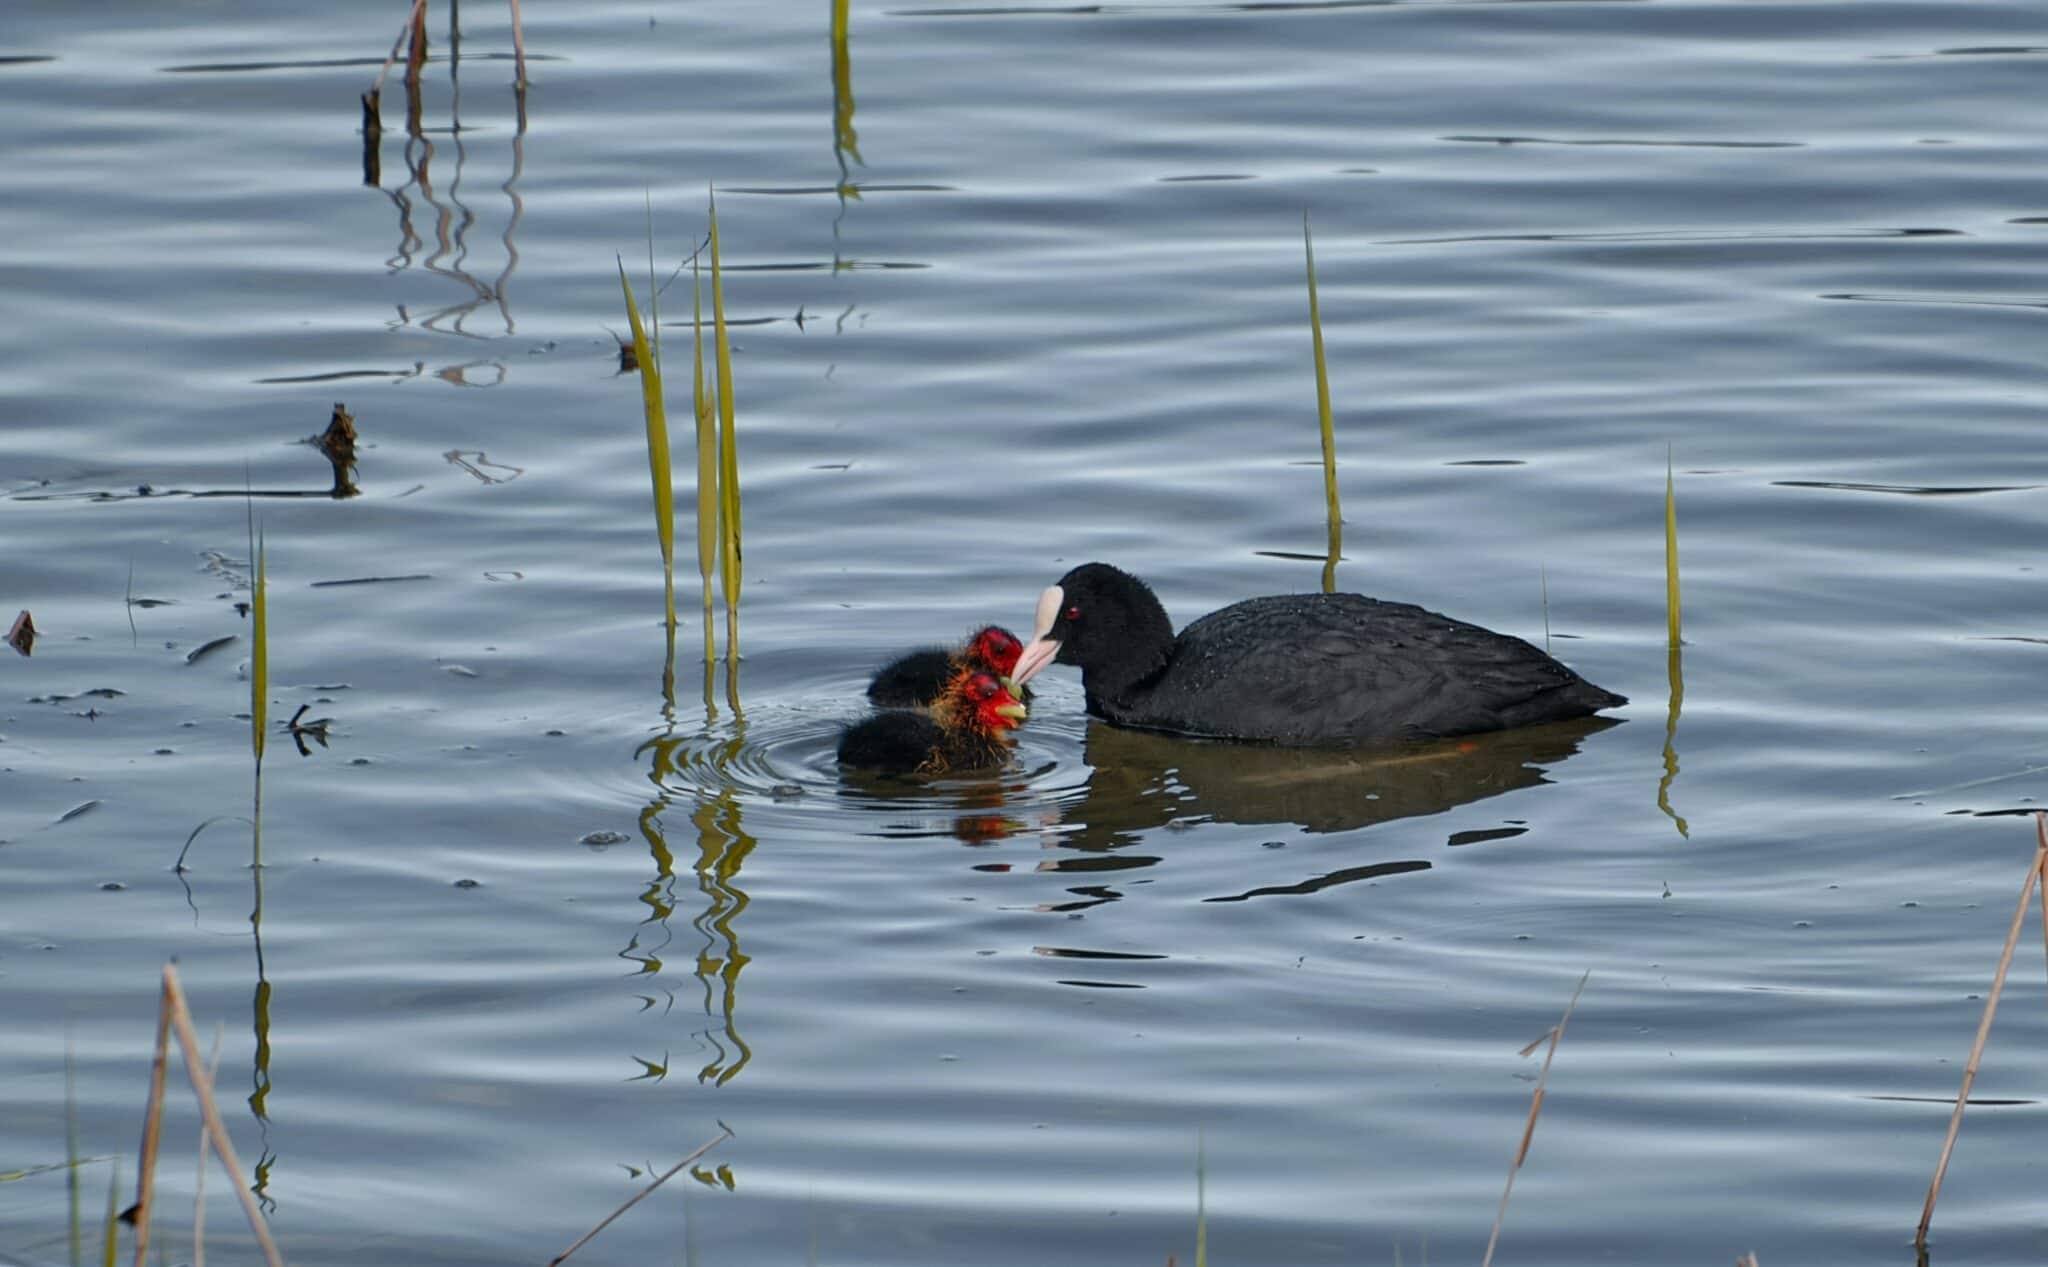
x: 175, y: 1014
x: 724, y: 1133
x: 2037, y: 873
x: 1535, y: 1107
x: 152, y: 1136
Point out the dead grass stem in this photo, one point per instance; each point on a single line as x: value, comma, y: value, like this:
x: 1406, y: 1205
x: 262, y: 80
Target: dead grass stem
x: 1535, y: 1107
x: 2035, y: 874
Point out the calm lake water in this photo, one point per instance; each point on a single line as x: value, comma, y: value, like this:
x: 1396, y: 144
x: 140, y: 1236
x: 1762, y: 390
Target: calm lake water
x: 1024, y: 287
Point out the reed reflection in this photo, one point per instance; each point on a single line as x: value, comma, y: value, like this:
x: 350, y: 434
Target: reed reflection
x: 1674, y: 644
x: 337, y: 444
x: 1674, y: 668
x: 453, y: 219
x: 723, y: 845
x: 845, y: 141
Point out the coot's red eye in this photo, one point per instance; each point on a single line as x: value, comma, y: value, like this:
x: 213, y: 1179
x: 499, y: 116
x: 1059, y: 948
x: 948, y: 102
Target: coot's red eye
x: 1073, y: 613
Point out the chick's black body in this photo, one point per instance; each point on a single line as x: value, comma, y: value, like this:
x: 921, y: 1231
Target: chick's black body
x: 917, y: 678
x: 1300, y: 669
x: 913, y: 680
x: 964, y: 730
x: 895, y: 742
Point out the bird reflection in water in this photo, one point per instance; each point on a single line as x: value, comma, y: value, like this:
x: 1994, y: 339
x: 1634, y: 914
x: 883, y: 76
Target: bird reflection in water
x: 1143, y: 785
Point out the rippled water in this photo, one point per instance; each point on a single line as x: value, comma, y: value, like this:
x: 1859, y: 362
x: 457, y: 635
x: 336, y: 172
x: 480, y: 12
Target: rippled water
x: 1023, y: 287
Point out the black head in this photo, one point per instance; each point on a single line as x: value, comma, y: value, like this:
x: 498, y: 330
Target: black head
x: 1106, y: 621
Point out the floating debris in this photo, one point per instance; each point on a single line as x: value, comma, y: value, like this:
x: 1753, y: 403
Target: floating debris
x: 338, y: 442
x: 301, y: 730
x: 207, y: 648
x: 372, y: 580
x: 77, y: 810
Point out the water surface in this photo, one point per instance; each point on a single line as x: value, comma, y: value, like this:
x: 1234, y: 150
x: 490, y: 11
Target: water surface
x: 1022, y: 286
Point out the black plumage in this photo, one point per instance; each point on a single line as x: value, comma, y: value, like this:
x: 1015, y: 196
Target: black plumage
x: 915, y: 679
x: 965, y: 729
x: 1297, y: 669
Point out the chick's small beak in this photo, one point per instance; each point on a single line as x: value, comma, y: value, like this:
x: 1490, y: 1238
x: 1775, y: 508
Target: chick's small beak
x: 1015, y: 712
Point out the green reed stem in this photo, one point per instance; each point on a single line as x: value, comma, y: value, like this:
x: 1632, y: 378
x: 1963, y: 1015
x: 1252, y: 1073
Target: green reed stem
x: 708, y: 546
x: 1670, y: 552
x: 730, y: 553
x: 259, y: 660
x: 110, y: 1228
x: 651, y: 403
x: 1333, y: 512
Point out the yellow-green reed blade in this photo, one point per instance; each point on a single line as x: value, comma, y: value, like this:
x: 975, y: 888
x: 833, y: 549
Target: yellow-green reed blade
x: 843, y: 135
x: 1315, y: 325
x: 730, y: 554
x: 707, y: 466
x: 110, y: 1229
x: 1670, y: 553
x: 259, y: 660
x: 657, y: 446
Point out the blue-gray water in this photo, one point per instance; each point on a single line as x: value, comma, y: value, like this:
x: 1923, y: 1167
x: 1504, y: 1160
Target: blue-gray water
x: 1058, y: 314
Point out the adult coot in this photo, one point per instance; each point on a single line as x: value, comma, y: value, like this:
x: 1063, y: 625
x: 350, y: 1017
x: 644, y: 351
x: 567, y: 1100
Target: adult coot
x: 916, y: 678
x: 1300, y: 669
x: 965, y: 730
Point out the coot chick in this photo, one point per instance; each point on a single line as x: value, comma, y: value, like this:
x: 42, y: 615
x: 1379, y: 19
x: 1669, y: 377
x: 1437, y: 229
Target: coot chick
x: 965, y: 730
x: 1297, y: 669
x: 914, y: 680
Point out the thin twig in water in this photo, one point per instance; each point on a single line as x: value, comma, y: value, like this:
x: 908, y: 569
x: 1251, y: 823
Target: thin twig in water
x: 1535, y: 1107
x: 2035, y: 873
x: 724, y: 1133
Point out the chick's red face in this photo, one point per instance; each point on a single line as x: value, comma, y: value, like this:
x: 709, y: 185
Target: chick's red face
x: 994, y: 709
x: 997, y: 648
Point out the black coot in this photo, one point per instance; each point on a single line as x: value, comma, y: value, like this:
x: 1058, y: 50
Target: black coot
x: 965, y: 730
x: 1300, y: 669
x: 916, y: 678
